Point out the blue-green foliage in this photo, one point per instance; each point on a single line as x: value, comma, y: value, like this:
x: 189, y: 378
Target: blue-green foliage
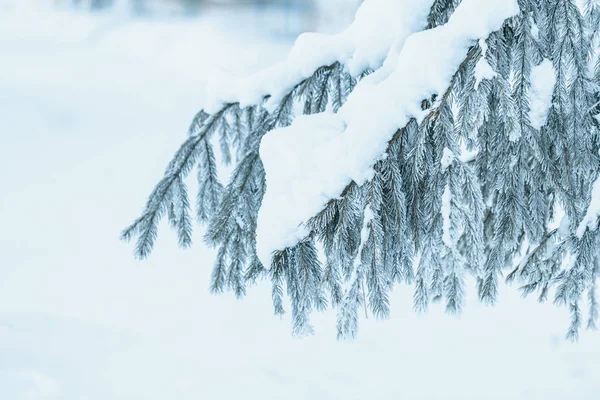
x: 502, y: 201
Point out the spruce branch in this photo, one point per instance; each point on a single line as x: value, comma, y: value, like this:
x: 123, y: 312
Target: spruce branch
x: 430, y: 214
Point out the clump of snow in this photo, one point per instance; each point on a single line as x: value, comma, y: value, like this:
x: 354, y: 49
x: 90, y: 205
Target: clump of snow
x: 483, y: 70
x: 447, y: 158
x: 543, y: 80
x: 467, y: 155
x: 535, y: 31
x: 352, y: 140
x: 591, y: 217
x: 446, y: 200
x: 377, y: 25
x: 364, y: 236
x: 283, y: 161
x: 564, y: 227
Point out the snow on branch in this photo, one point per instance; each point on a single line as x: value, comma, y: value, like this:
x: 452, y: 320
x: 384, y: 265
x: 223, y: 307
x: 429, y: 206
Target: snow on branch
x: 591, y: 217
x: 312, y: 161
x: 543, y: 80
x: 364, y: 45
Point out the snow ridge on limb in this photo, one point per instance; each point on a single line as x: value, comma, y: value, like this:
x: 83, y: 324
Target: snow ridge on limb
x: 362, y: 46
x: 328, y: 151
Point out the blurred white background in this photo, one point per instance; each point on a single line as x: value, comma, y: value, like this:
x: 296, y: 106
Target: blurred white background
x: 92, y: 106
x: 294, y: 15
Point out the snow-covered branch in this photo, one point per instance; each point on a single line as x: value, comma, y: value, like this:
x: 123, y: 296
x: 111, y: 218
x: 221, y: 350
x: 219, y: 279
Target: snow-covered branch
x: 323, y: 153
x: 378, y: 25
x: 458, y: 128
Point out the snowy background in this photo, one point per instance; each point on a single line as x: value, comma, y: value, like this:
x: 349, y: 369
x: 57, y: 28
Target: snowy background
x: 91, y: 109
